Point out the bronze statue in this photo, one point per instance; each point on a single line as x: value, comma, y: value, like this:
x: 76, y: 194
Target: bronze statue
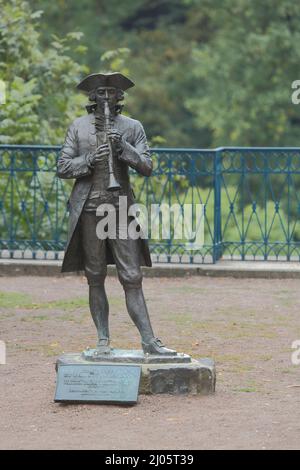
x: 98, y: 149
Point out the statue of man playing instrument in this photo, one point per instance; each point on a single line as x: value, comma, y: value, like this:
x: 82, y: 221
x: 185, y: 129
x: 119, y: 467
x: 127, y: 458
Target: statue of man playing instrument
x: 98, y: 150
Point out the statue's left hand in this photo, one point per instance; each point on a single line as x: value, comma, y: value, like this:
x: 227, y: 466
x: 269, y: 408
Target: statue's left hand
x: 116, y: 138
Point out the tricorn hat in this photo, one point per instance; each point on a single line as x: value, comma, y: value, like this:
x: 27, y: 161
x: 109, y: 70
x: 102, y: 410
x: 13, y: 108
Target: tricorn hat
x: 114, y: 79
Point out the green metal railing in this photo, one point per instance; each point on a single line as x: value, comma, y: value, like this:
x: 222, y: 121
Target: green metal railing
x: 251, y: 199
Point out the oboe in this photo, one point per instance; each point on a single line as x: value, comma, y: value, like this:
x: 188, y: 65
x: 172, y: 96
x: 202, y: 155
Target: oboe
x: 112, y: 181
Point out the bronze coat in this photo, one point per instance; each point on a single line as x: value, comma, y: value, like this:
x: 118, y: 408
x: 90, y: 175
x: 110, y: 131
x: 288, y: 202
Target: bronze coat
x: 80, y: 140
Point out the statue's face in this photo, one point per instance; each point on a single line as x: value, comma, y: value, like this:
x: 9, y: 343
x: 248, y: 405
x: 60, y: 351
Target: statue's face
x: 104, y: 94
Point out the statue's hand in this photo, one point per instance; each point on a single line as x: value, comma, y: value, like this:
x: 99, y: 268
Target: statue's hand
x: 116, y: 139
x: 101, y: 154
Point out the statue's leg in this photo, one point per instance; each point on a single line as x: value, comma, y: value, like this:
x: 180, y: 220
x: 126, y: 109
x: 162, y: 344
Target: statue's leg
x: 138, y: 311
x: 127, y: 257
x: 95, y: 271
x: 99, y: 309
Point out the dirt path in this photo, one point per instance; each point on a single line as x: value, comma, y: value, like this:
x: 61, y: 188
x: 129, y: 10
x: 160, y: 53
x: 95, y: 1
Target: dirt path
x: 246, y: 325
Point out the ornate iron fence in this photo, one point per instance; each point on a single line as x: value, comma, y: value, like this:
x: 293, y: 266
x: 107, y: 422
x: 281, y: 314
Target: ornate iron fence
x: 260, y: 203
x: 251, y: 200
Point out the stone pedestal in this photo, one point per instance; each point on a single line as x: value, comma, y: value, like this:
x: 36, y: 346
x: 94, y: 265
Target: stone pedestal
x: 178, y: 374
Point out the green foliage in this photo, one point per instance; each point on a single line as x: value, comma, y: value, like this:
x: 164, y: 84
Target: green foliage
x: 246, y: 70
x: 41, y: 99
x: 207, y: 73
x: 19, y: 123
x: 148, y: 39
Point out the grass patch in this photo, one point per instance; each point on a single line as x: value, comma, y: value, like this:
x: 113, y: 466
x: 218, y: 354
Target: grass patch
x: 245, y: 389
x: 65, y: 317
x: 233, y: 330
x: 188, y: 290
x: 179, y: 318
x: 14, y: 300
x: 228, y: 358
x: 48, y: 350
x: 265, y: 357
x: 66, y: 304
x: 250, y: 386
x: 241, y: 368
x: 289, y: 370
x: 116, y: 302
x: 6, y: 315
x: 35, y: 318
x: 25, y: 301
x: 73, y: 318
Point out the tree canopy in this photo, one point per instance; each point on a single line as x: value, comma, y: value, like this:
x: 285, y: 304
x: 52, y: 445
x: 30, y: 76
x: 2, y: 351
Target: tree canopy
x: 40, y: 98
x: 207, y: 73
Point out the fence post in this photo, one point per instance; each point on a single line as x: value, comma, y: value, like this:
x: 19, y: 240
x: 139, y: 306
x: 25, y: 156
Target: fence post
x: 170, y: 188
x: 217, y: 247
x: 11, y: 215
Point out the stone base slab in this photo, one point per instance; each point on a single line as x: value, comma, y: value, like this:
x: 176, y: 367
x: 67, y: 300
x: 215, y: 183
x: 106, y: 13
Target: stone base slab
x: 133, y: 356
x: 195, y: 377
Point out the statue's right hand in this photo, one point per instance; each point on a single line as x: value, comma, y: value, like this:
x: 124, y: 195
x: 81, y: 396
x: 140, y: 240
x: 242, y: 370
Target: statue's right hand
x: 101, y: 154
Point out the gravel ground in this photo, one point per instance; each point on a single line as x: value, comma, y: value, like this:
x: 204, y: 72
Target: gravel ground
x: 246, y: 325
